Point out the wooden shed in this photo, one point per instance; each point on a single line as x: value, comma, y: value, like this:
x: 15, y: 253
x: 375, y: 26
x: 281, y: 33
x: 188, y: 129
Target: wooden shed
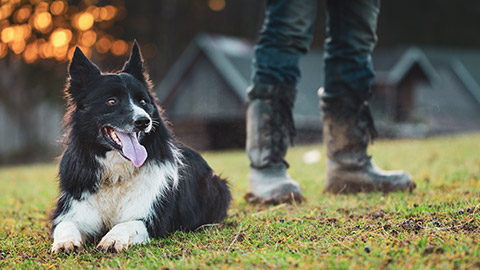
x: 417, y: 92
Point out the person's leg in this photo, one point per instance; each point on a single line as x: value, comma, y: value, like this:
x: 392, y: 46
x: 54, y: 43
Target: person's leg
x: 347, y: 122
x: 286, y: 36
x: 351, y: 38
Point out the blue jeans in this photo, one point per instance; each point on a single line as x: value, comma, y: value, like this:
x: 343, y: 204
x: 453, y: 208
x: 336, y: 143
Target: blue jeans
x: 287, y: 33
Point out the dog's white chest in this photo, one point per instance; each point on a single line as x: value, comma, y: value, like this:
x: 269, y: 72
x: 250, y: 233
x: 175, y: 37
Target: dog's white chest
x: 127, y: 193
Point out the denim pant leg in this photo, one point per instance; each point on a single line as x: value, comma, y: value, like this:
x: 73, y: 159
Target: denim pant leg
x: 286, y: 35
x: 351, y: 38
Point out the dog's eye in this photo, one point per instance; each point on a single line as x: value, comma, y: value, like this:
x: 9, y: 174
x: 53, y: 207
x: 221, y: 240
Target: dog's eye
x: 143, y: 102
x: 112, y: 101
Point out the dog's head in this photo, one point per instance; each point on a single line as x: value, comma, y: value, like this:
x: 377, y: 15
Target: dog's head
x: 112, y: 111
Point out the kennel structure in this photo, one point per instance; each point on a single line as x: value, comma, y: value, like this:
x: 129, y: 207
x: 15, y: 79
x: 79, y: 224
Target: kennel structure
x: 417, y: 92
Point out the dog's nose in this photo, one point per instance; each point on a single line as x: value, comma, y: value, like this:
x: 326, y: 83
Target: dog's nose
x: 142, y: 122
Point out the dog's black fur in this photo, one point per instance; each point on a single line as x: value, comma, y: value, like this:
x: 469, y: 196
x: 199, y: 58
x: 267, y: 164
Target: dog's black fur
x: 200, y: 197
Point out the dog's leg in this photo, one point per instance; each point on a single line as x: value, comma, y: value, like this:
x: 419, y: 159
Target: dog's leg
x: 122, y: 235
x: 76, y: 223
x: 66, y: 238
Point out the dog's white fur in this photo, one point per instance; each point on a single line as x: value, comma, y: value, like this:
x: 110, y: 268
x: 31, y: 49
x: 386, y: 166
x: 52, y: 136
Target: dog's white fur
x: 124, y: 198
x: 138, y: 112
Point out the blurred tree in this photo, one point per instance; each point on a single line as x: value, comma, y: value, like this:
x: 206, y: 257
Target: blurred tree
x: 37, y: 35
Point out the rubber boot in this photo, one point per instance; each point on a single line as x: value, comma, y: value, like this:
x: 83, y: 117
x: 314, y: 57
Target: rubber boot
x: 270, y: 130
x: 347, y: 129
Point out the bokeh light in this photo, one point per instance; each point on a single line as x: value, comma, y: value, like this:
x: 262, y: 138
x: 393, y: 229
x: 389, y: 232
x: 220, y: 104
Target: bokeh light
x: 85, y: 21
x: 119, y: 47
x: 42, y: 21
x: 6, y: 10
x: 60, y: 52
x: 60, y: 37
x: 23, y: 14
x: 58, y: 7
x: 216, y: 5
x: 111, y: 11
x: 30, y: 55
x: 46, y: 50
x: 51, y: 29
x: 17, y: 46
x: 88, y: 38
x: 103, y: 45
x: 3, y: 50
x: 8, y: 34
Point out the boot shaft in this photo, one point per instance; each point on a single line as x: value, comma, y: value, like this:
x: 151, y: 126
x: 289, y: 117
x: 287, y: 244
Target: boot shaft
x: 347, y: 129
x: 270, y: 126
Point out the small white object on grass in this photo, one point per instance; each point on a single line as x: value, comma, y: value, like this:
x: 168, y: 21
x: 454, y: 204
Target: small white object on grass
x: 312, y: 156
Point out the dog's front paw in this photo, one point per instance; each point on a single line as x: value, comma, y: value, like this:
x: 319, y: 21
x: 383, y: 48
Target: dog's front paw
x: 113, y: 242
x: 67, y: 245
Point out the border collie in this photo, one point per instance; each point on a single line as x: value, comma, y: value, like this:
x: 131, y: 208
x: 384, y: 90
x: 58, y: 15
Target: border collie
x: 124, y: 179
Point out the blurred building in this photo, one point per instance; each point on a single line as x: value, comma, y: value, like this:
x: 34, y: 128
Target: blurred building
x: 417, y: 92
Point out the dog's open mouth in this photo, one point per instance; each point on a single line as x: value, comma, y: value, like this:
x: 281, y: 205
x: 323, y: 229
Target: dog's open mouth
x: 127, y: 144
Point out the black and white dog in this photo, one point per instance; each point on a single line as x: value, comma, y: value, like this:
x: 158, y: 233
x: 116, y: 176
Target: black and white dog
x: 124, y: 179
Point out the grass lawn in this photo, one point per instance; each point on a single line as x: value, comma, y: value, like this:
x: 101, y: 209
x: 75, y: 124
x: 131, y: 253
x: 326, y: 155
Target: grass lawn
x: 436, y: 226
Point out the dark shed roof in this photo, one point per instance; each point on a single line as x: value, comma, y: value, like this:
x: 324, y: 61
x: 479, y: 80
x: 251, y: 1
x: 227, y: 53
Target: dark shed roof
x: 231, y: 58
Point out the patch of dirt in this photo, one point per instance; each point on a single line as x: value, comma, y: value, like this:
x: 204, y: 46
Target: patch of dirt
x: 287, y: 198
x: 377, y: 214
x: 239, y: 237
x: 412, y: 225
x: 433, y: 250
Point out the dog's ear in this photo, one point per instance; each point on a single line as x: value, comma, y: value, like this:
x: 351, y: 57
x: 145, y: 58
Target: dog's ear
x: 82, y: 69
x: 134, y: 65
x: 81, y: 72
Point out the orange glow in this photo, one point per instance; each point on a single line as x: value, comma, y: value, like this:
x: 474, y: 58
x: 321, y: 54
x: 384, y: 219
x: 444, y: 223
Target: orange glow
x: 70, y: 53
x: 60, y: 37
x: 119, y: 47
x: 22, y: 31
x: 17, y: 46
x: 60, y: 53
x: 86, y: 50
x: 6, y: 10
x: 45, y: 50
x: 23, y: 14
x: 103, y: 45
x: 27, y: 31
x: 8, y: 34
x: 85, y: 21
x: 42, y: 29
x: 30, y: 54
x: 96, y: 13
x: 103, y: 13
x: 111, y: 12
x: 4, y: 24
x: 42, y: 21
x: 88, y: 38
x: 216, y: 5
x: 3, y: 50
x: 40, y: 6
x: 58, y: 7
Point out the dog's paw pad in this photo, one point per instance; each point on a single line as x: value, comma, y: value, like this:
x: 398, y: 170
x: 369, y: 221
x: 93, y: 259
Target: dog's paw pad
x: 112, y: 244
x: 67, y: 246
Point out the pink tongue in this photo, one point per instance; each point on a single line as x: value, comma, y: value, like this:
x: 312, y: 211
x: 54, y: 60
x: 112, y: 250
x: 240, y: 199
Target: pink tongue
x: 132, y: 149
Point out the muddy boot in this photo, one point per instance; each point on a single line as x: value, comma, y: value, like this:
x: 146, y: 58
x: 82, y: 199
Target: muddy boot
x: 347, y: 129
x: 269, y: 131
